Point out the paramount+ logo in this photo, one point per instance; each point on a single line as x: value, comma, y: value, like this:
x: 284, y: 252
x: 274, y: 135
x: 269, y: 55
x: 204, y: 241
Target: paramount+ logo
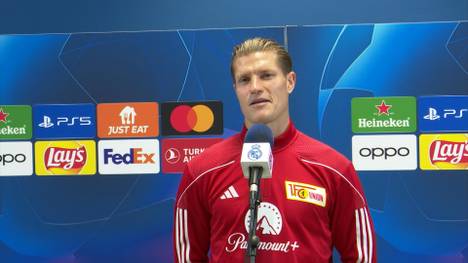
x: 192, y: 118
x: 384, y: 152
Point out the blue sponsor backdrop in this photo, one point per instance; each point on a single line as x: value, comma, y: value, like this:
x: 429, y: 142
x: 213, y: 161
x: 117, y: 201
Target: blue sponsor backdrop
x: 64, y: 121
x: 420, y: 216
x: 443, y: 113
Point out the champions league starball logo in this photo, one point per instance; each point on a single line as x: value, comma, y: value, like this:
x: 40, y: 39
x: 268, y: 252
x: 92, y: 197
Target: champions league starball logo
x: 255, y: 152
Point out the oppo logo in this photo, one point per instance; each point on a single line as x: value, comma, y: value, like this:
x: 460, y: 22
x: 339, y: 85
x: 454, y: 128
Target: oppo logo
x: 10, y: 158
x: 16, y: 158
x: 384, y: 152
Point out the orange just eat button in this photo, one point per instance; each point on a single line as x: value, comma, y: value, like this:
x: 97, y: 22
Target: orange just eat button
x: 124, y: 120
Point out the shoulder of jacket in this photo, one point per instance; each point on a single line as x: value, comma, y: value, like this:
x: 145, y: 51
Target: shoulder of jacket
x: 315, y: 151
x: 217, y: 155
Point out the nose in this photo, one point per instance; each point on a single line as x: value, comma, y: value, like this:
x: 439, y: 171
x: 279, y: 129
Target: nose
x: 255, y: 85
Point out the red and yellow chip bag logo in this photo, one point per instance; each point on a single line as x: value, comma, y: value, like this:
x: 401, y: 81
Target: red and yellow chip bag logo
x: 443, y: 151
x: 65, y: 158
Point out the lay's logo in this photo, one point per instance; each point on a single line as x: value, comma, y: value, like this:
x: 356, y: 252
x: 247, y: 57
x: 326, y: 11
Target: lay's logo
x: 444, y: 151
x: 65, y: 158
x: 447, y: 151
x: 306, y: 193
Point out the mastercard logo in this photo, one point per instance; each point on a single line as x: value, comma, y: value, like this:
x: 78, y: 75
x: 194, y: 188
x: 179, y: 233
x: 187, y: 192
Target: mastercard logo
x: 192, y: 118
x: 198, y: 118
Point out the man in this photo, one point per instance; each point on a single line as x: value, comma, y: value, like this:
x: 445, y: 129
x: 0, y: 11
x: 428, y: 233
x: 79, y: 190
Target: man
x: 313, y: 202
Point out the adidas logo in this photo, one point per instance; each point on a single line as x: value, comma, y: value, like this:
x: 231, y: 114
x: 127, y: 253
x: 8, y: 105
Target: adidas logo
x: 230, y: 193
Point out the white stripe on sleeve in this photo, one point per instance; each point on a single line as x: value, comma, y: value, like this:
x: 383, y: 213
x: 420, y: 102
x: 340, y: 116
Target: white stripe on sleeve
x: 358, y: 236
x: 187, y: 253
x: 369, y: 233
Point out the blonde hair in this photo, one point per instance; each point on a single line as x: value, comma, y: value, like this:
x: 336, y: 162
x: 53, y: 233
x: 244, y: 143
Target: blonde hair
x: 259, y: 44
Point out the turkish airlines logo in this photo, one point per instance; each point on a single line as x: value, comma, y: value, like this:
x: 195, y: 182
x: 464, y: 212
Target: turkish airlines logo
x: 192, y: 118
x: 129, y: 156
x: 178, y: 152
x: 139, y: 119
x: 444, y: 151
x: 65, y: 158
x: 384, y: 152
x: 172, y: 155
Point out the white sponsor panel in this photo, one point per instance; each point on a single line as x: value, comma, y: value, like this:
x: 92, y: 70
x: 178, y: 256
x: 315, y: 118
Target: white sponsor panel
x: 16, y: 159
x: 384, y: 152
x: 129, y: 156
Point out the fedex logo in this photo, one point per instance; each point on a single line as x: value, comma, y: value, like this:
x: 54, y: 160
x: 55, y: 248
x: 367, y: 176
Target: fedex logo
x: 139, y: 156
x: 134, y: 156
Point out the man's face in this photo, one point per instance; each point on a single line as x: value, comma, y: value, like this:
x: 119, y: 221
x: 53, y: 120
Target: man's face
x: 263, y: 89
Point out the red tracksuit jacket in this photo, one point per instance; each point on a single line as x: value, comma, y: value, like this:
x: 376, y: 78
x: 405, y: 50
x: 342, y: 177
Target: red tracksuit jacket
x: 313, y: 202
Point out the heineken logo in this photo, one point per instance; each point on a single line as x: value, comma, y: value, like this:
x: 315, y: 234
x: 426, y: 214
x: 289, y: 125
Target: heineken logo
x: 13, y: 130
x: 383, y: 108
x: 3, y: 116
x: 384, y: 114
x: 389, y: 123
x: 15, y: 122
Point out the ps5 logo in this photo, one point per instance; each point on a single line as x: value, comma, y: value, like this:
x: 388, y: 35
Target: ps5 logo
x: 47, y: 123
x: 447, y: 113
x: 65, y: 121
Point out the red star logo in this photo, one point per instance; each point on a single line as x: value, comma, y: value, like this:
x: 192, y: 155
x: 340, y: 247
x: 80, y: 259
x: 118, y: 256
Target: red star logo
x: 383, y: 108
x: 3, y: 116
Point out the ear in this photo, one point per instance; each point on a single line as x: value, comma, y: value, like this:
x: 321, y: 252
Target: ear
x: 290, y: 81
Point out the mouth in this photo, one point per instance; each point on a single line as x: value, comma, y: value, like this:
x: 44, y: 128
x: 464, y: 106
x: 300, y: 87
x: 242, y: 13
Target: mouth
x: 258, y: 101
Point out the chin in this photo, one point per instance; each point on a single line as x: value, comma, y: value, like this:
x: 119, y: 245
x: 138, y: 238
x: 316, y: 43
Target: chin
x: 260, y: 119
